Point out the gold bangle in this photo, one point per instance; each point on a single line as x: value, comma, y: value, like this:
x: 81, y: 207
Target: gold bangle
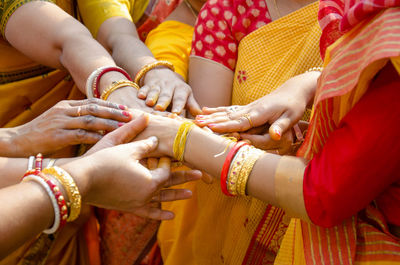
x: 236, y: 168
x: 70, y: 186
x: 251, y: 159
x: 142, y: 72
x: 181, y: 138
x: 115, y: 85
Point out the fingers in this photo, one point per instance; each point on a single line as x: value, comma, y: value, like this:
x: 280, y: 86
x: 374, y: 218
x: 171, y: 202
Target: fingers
x: 79, y: 136
x: 163, y: 170
x: 96, y: 110
x: 168, y: 195
x: 165, y: 97
x: 278, y: 127
x: 180, y: 97
x: 193, y: 106
x: 96, y: 101
x: 129, y: 131
x: 152, y: 163
x: 142, y: 148
x: 143, y: 91
x: 92, y: 123
x: 154, y: 213
x: 153, y: 94
x: 183, y: 176
x: 207, y: 178
x: 207, y: 111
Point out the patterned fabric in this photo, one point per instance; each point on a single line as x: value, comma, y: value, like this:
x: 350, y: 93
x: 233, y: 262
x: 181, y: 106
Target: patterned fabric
x: 222, y: 24
x: 337, y: 17
x: 211, y: 228
x: 351, y: 63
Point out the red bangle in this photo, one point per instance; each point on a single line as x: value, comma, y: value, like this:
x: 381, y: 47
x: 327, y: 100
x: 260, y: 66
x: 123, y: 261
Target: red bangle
x: 62, y: 205
x: 96, y: 91
x: 227, y: 163
x: 38, y: 163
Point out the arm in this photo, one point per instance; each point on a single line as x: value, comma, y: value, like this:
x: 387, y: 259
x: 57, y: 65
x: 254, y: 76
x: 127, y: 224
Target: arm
x: 48, y: 35
x: 324, y: 189
x: 26, y: 209
x: 118, y: 34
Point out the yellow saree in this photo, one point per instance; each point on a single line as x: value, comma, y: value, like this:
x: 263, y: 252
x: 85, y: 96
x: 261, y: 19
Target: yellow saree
x: 212, y: 228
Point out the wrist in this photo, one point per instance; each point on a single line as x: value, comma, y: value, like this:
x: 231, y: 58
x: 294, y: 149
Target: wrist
x: 10, y: 145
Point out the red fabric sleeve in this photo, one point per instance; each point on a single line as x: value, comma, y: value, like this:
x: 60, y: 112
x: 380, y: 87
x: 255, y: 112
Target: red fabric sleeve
x: 360, y: 160
x: 221, y: 25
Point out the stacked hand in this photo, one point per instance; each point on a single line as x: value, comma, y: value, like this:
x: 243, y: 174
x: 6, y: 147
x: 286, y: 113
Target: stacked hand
x: 110, y: 175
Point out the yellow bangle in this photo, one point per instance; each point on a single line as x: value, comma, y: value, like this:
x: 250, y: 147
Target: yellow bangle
x: 151, y: 66
x: 72, y: 190
x: 181, y: 138
x: 253, y: 155
x: 236, y: 168
x: 115, y: 85
x: 315, y: 69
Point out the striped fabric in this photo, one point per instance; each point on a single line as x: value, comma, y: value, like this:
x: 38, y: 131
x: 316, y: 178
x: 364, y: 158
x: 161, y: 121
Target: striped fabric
x: 351, y: 63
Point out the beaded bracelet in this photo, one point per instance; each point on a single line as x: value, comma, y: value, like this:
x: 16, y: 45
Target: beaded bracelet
x: 151, y: 66
x: 232, y: 180
x: 227, y: 164
x: 56, y: 197
x: 71, y: 188
x: 180, y: 140
x: 116, y: 85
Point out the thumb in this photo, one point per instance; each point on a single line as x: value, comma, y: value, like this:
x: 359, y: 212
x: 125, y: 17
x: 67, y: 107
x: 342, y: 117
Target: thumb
x: 278, y: 127
x: 127, y: 132
x: 141, y: 149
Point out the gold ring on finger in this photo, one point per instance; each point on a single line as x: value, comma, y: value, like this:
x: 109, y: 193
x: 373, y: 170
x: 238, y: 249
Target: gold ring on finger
x: 79, y: 111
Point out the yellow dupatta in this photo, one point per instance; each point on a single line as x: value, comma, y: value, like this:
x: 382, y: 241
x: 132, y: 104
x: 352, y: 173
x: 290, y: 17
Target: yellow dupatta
x: 211, y: 228
x: 351, y: 63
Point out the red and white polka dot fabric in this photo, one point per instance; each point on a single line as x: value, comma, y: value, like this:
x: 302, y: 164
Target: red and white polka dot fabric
x: 221, y: 25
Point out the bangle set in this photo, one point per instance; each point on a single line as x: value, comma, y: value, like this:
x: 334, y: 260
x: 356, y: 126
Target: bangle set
x: 237, y: 168
x: 181, y: 138
x: 145, y: 69
x: 92, y: 83
x: 315, y: 69
x: 115, y: 85
x: 54, y: 180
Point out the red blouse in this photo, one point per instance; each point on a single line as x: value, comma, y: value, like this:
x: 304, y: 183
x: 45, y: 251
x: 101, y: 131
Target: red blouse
x: 360, y: 161
x: 221, y: 25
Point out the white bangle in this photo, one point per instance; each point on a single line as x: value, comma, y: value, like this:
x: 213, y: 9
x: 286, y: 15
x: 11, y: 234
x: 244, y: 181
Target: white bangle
x: 90, y: 81
x: 43, y: 183
x: 31, y: 162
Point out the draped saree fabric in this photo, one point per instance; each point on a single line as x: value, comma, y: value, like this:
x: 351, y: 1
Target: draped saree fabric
x: 359, y: 38
x: 211, y: 228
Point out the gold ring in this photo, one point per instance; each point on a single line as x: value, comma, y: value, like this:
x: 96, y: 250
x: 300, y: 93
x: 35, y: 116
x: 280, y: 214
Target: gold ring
x: 247, y: 116
x: 79, y: 111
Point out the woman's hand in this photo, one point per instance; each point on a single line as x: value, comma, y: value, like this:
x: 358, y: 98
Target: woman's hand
x: 68, y: 122
x: 163, y: 86
x: 110, y: 175
x: 282, y: 109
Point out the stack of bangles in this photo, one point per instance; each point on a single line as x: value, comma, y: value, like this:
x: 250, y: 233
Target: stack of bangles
x: 55, y: 181
x: 145, y: 69
x: 237, y: 168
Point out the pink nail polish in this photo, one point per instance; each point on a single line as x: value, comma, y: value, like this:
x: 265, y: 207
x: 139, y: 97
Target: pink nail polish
x: 121, y: 124
x: 126, y: 113
x: 200, y: 121
x: 199, y: 116
x: 122, y: 107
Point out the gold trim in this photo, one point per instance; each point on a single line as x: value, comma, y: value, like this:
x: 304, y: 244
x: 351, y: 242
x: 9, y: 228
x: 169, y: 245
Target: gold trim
x: 289, y: 186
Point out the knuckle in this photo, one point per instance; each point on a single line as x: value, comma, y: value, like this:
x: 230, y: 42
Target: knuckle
x: 92, y: 108
x: 91, y: 101
x: 80, y: 135
x: 89, y: 119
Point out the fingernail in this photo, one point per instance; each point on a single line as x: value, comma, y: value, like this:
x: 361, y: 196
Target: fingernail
x: 121, y: 124
x: 159, y: 107
x: 211, y: 125
x: 200, y: 117
x: 153, y: 139
x: 200, y: 121
x: 122, y: 107
x: 141, y: 95
x: 126, y: 113
x: 175, y: 111
x: 278, y: 133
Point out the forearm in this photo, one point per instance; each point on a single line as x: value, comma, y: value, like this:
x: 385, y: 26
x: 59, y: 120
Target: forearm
x: 48, y: 35
x: 20, y: 203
